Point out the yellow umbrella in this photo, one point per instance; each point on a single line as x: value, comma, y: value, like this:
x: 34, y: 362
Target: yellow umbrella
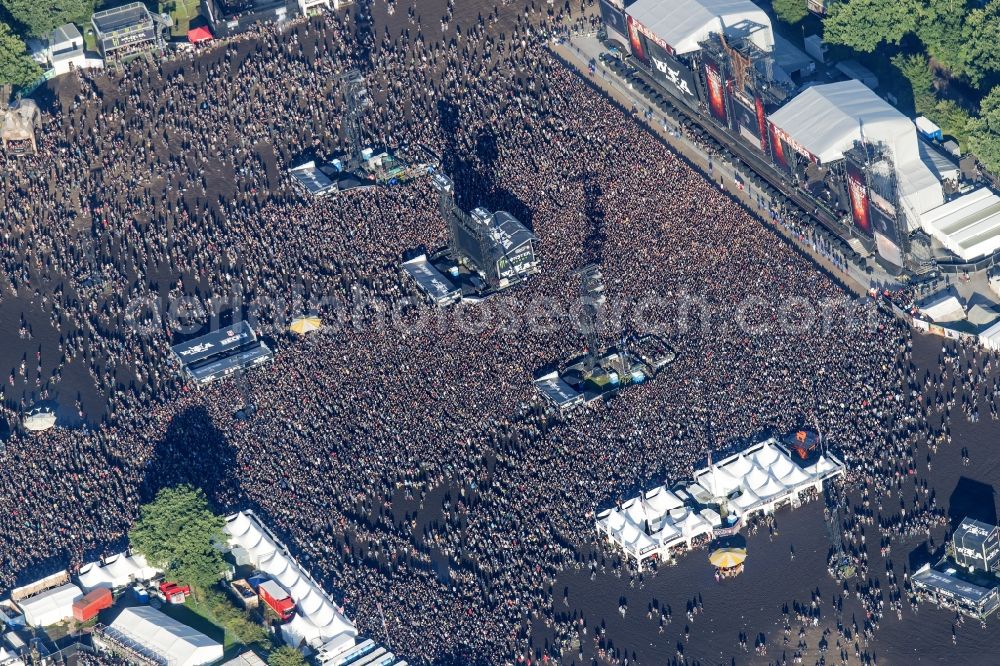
x: 727, y: 558
x: 303, y: 325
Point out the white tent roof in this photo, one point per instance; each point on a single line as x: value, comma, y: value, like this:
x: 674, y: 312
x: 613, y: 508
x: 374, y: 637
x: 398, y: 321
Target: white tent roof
x: 766, y: 456
x: 944, y: 307
x: 635, y: 511
x: 745, y: 501
x: 739, y: 466
x: 668, y: 533
x: 660, y: 500
x: 756, y: 478
x: 822, y: 466
x: 969, y: 225
x: 313, y: 623
x: 239, y: 525
x: 684, y: 23
x: 718, y: 481
x: 693, y: 525
x: 845, y: 108
x: 274, y: 565
x: 116, y: 571
x: 782, y: 466
x: 794, y: 477
x: 93, y: 575
x: 990, y: 336
x: 51, y: 606
x: 771, y: 488
x: 178, y: 643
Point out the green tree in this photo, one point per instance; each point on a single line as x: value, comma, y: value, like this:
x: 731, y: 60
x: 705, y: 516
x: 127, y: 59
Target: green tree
x: 953, y: 119
x: 984, y: 137
x: 40, y: 16
x: 980, y: 47
x: 916, y: 69
x: 940, y: 28
x: 285, y: 656
x: 790, y: 11
x: 177, y: 532
x: 16, y: 66
x: 864, y: 25
x: 236, y: 622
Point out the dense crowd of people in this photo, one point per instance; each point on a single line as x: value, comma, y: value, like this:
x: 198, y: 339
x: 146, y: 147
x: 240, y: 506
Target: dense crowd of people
x: 402, y: 450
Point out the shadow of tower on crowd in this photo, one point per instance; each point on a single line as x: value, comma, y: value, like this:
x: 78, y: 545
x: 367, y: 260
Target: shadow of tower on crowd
x: 195, y: 451
x: 972, y: 499
x: 474, y: 173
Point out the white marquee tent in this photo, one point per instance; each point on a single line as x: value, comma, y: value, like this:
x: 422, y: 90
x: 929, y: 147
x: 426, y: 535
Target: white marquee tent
x: 51, y: 606
x: 115, y: 572
x: 684, y: 23
x: 753, y: 480
x: 318, y: 618
x: 942, y: 307
x: 177, y: 643
x: 969, y: 225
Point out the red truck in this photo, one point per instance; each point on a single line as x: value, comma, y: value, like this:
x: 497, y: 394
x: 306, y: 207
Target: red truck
x: 277, y: 599
x: 174, y: 593
x: 89, y: 605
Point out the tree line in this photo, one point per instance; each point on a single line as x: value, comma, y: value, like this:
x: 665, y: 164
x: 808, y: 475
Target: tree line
x: 948, y: 51
x: 21, y: 20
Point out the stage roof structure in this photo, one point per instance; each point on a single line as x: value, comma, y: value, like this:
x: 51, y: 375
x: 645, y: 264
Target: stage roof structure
x: 557, y: 391
x: 968, y: 226
x: 851, y: 111
x: 431, y: 281
x: 682, y: 24
x: 177, y: 643
x: 310, y: 178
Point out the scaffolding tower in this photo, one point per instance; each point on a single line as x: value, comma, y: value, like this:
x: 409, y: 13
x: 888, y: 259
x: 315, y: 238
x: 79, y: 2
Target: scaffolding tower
x: 356, y: 102
x: 592, y: 301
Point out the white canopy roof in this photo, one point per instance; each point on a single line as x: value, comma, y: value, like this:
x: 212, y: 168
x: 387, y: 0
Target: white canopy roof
x: 745, y: 501
x: 314, y: 623
x: 767, y: 455
x: 794, y: 476
x: 635, y: 511
x: 660, y: 500
x: 969, y: 225
x: 178, y: 643
x: 116, y: 571
x: 771, y: 488
x: 718, y: 481
x: 846, y: 109
x: 990, y: 336
x: 823, y: 466
x: 739, y: 466
x: 943, y: 307
x: 51, y: 606
x: 684, y: 23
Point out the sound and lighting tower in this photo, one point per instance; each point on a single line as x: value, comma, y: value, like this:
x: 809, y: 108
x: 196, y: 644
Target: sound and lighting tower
x: 356, y: 101
x: 452, y: 215
x: 592, y: 299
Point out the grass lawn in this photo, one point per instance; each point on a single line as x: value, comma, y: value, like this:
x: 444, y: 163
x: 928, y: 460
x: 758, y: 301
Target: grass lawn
x: 197, y: 616
x: 89, y: 39
x: 183, y: 12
